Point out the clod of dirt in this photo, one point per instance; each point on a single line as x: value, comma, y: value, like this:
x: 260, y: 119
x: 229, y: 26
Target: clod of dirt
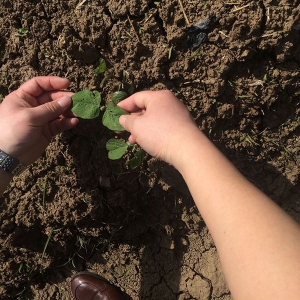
x: 198, y: 33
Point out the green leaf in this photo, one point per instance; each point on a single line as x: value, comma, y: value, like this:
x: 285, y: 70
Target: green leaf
x: 22, y: 32
x: 86, y: 104
x: 101, y: 68
x: 118, y: 96
x: 137, y: 160
x: 116, y: 148
x: 111, y: 117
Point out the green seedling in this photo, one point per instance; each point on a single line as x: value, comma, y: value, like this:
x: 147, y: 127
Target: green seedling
x: 47, y: 242
x: 22, y: 292
x: 86, y: 104
x: 246, y: 137
x: 22, y: 32
x: 265, y: 77
x: 102, y: 67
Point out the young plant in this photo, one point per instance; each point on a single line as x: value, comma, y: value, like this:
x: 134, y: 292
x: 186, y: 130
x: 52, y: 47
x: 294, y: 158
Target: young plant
x: 86, y: 105
x: 117, y: 148
x: 101, y: 68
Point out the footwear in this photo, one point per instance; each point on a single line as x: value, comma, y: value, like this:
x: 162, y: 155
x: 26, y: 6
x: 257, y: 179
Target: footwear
x: 89, y: 286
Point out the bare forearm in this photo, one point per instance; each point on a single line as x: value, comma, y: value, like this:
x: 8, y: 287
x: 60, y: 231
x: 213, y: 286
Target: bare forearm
x: 258, y: 243
x: 5, y: 179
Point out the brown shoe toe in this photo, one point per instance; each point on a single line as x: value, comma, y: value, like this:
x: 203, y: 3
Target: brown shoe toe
x: 88, y: 286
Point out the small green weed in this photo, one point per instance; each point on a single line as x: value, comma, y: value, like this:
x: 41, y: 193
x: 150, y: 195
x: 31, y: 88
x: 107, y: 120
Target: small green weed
x: 246, y: 137
x: 265, y: 77
x: 22, y: 32
x: 22, y: 292
x: 47, y: 242
x: 195, y: 53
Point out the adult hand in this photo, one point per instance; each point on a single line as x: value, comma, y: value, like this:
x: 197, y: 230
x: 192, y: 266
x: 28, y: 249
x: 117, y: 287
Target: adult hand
x: 32, y: 115
x: 159, y: 123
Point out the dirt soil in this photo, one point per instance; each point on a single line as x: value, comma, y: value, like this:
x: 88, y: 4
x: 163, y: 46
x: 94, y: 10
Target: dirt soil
x: 75, y: 210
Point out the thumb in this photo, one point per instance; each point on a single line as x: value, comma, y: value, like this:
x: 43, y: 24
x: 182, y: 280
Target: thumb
x: 127, y: 122
x: 52, y: 110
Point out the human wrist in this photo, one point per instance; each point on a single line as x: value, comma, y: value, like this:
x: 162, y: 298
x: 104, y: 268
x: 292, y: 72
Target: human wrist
x: 10, y: 165
x: 8, y: 144
x: 5, y: 176
x: 10, y: 149
x: 185, y: 148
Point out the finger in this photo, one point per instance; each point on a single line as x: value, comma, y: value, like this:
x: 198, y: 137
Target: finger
x: 49, y: 111
x: 137, y: 101
x: 53, y: 95
x: 128, y: 122
x: 59, y: 125
x: 132, y: 139
x: 36, y: 86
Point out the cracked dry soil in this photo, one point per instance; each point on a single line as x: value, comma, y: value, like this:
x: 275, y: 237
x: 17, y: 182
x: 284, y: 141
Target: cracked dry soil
x: 75, y: 210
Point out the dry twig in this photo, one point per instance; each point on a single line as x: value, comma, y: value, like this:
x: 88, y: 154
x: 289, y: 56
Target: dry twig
x: 269, y: 34
x: 184, y: 14
x: 240, y: 8
x: 137, y: 36
x: 223, y: 33
x: 268, y: 15
x: 80, y: 4
x: 148, y: 18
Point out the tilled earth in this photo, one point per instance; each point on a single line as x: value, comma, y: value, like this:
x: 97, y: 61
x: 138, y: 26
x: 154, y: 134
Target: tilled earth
x: 74, y: 209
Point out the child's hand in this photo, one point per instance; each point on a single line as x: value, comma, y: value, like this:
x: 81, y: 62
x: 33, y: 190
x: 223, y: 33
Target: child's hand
x: 32, y: 115
x: 159, y: 123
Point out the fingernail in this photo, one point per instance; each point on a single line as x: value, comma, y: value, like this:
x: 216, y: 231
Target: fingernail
x: 64, y: 101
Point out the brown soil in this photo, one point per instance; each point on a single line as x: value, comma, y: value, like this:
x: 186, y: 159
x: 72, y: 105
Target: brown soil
x: 75, y: 210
